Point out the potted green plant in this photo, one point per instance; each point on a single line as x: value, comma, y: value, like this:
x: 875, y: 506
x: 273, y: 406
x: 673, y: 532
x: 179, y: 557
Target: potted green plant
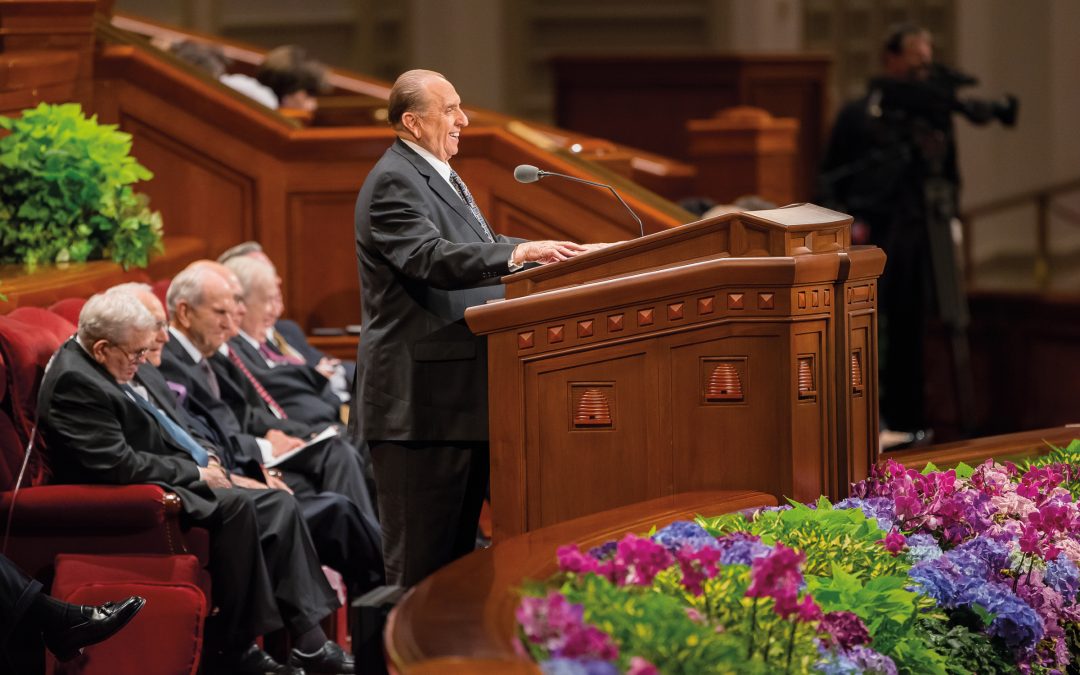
x: 66, y: 191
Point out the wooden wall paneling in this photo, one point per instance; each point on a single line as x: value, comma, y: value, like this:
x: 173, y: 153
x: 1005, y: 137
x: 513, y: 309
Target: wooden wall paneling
x: 664, y: 91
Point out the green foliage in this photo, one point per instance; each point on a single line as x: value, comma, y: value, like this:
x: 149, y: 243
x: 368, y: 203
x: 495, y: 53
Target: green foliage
x: 828, y: 536
x: 966, y: 651
x: 648, y: 622
x: 65, y: 191
x: 889, y: 611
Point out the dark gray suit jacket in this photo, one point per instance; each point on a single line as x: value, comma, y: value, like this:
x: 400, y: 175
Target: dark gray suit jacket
x: 421, y: 374
x: 96, y: 434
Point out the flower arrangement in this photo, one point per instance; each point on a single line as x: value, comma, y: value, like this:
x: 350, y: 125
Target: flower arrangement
x: 958, y: 571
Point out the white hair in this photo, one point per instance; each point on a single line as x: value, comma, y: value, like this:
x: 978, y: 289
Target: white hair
x: 112, y: 317
x: 252, y: 273
x: 189, y: 286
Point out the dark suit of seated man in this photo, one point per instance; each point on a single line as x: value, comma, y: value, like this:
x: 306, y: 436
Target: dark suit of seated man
x: 325, y: 478
x: 100, y: 429
x: 302, y: 391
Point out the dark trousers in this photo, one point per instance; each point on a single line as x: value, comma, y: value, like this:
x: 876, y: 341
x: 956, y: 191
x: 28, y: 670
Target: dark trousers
x: 21, y: 648
x: 332, y: 466
x: 906, y: 299
x: 277, y: 583
x: 429, y: 504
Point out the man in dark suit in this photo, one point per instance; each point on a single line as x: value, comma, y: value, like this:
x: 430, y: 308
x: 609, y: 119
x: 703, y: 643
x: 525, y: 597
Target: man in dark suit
x: 101, y: 429
x: 347, y: 535
x: 29, y: 617
x: 426, y: 253
x: 300, y: 389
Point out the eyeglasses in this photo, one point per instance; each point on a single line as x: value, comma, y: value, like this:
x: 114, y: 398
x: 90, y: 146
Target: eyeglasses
x: 137, y: 356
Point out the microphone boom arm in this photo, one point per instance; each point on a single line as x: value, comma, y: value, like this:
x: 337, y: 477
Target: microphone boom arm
x: 641, y: 226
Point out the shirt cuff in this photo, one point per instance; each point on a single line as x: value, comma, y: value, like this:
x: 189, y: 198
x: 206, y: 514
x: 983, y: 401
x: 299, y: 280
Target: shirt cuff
x: 513, y: 266
x: 266, y: 449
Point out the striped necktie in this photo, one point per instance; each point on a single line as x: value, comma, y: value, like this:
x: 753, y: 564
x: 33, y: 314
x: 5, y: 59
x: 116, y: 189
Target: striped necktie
x: 263, y: 394
x: 467, y: 197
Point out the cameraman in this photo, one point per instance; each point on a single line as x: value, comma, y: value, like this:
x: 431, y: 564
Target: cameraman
x: 891, y: 164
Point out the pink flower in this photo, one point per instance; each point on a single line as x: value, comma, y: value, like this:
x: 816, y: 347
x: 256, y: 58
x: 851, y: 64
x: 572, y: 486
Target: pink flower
x: 777, y: 576
x: 697, y: 566
x: 808, y: 610
x: 640, y: 666
x: 894, y: 542
x: 638, y: 561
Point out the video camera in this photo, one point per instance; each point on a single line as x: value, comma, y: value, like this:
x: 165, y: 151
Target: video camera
x: 936, y: 97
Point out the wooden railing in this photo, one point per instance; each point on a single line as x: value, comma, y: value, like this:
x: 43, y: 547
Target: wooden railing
x: 1046, y: 202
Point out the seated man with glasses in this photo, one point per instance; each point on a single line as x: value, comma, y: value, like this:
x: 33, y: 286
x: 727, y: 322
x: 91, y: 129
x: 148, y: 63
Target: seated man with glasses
x: 101, y: 429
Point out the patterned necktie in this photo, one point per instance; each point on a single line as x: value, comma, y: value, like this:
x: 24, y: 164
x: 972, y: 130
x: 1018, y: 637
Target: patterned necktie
x: 174, y: 430
x: 263, y: 394
x: 211, y: 377
x: 277, y: 341
x: 467, y: 197
x: 276, y: 358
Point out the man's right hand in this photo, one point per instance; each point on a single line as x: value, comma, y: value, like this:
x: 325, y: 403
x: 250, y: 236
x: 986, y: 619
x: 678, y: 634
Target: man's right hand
x: 281, y: 442
x: 214, y: 476
x: 545, y: 251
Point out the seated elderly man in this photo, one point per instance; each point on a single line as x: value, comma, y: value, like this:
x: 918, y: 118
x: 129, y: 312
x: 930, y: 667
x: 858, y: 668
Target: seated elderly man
x: 286, y: 339
x: 344, y: 537
x: 102, y: 429
x: 301, y: 390
x: 204, y: 313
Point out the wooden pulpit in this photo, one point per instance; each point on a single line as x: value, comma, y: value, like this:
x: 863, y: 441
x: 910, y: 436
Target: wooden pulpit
x: 738, y: 352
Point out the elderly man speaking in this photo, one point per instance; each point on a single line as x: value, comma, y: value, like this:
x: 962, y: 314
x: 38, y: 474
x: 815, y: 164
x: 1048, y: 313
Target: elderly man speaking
x: 425, y: 254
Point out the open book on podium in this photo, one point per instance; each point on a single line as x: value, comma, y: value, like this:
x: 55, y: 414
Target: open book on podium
x: 738, y: 352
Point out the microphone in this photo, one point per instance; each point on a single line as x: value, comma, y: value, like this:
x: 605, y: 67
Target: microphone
x: 527, y: 173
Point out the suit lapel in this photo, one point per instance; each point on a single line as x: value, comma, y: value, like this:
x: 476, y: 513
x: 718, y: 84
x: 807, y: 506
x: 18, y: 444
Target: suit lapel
x: 440, y: 187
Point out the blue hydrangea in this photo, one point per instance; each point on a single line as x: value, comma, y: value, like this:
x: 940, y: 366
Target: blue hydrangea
x: 937, y: 580
x: 855, y: 661
x: 684, y: 533
x: 741, y: 549
x: 980, y: 557
x: 1062, y: 575
x: 881, y: 509
x: 1014, y: 620
x: 578, y: 667
x: 870, y: 661
x: 922, y: 547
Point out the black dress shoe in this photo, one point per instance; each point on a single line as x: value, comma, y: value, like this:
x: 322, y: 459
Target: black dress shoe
x: 253, y: 661
x: 99, y: 623
x: 331, y: 659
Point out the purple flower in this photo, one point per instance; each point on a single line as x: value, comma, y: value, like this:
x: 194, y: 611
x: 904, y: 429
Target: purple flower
x: 1014, y: 620
x: 1063, y: 576
x: 562, y: 666
x: 684, y: 533
x: 870, y: 661
x: 881, y: 509
x: 844, y: 628
x: 557, y: 625
x: 856, y: 661
x: 605, y: 551
x: 807, y: 610
x: 922, y: 547
x: 741, y: 548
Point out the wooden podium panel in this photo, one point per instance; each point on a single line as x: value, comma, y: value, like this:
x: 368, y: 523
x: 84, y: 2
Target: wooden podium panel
x: 732, y: 353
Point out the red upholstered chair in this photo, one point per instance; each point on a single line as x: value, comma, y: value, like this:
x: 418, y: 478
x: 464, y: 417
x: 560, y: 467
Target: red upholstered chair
x: 161, y: 288
x: 52, y: 519
x: 68, y: 308
x: 175, y: 607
